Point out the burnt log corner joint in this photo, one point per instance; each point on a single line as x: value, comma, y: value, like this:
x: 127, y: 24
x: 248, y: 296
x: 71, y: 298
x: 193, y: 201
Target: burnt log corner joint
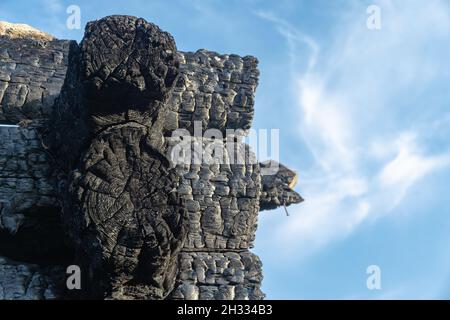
x: 85, y: 176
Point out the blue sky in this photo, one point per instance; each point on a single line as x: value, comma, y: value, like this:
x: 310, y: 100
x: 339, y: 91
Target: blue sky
x: 363, y: 117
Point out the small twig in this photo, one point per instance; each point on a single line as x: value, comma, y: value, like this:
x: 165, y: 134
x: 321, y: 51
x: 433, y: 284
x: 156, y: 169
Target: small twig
x: 285, y: 209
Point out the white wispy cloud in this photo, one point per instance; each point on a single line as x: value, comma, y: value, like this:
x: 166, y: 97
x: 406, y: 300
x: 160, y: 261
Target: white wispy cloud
x: 53, y: 6
x: 296, y: 40
x: 367, y: 157
x: 408, y: 167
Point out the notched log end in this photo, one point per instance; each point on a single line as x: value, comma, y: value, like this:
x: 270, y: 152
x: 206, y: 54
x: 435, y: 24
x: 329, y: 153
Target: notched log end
x: 278, y: 183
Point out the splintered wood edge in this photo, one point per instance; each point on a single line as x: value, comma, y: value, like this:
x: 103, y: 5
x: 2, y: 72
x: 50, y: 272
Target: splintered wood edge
x: 294, y: 181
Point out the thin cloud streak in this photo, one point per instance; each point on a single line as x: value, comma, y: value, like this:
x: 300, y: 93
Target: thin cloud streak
x: 341, y: 137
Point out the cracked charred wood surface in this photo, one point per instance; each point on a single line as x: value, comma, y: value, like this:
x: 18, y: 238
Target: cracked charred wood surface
x: 31, y: 76
x: 120, y: 205
x: 32, y: 72
x: 93, y: 156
